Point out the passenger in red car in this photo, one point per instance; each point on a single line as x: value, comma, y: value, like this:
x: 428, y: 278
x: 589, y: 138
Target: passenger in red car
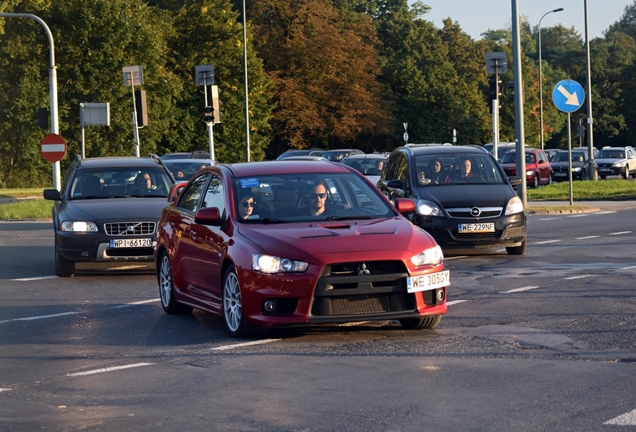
x: 246, y: 206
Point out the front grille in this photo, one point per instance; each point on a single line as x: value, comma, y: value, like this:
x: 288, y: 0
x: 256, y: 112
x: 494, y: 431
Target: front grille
x: 359, y: 288
x: 474, y: 212
x: 130, y: 228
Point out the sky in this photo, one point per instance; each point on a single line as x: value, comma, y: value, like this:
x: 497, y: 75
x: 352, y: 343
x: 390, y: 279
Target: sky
x: 478, y: 16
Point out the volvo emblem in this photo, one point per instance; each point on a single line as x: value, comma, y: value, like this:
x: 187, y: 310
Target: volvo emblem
x: 364, y: 270
x: 130, y: 228
x: 475, y: 211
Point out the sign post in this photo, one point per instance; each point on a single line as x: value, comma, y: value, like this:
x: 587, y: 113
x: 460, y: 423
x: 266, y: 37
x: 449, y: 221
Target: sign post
x: 568, y: 96
x: 133, y: 75
x: 53, y: 148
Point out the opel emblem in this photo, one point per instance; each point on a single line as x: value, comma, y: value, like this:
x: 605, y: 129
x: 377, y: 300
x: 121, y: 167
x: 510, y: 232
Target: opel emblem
x: 364, y: 270
x: 475, y: 211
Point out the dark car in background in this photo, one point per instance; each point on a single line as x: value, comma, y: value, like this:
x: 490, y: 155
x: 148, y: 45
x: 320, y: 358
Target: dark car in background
x: 461, y: 211
x: 538, y: 169
x: 560, y: 164
x: 370, y: 165
x: 197, y: 154
x: 298, y: 152
x: 107, y: 210
x: 340, y: 154
x: 358, y: 260
x: 184, y: 169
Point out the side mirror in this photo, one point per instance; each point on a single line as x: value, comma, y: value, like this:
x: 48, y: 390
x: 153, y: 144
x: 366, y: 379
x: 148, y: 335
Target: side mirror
x: 208, y: 216
x: 176, y: 190
x: 395, y: 184
x: 52, y: 194
x: 405, y: 206
x: 514, y: 181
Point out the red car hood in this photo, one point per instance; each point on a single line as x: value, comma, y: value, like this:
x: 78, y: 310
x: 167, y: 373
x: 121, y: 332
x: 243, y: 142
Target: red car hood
x: 339, y: 238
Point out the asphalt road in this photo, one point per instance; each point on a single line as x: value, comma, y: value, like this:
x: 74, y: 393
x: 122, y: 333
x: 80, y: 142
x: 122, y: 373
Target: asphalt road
x: 545, y: 341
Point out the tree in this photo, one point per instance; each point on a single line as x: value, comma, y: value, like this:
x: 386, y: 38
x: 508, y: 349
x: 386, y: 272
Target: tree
x: 325, y: 67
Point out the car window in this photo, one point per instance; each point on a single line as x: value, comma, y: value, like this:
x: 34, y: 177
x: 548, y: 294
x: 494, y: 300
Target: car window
x: 446, y: 169
x: 292, y: 197
x: 189, y: 199
x: 214, y: 196
x: 120, y: 182
x: 508, y: 157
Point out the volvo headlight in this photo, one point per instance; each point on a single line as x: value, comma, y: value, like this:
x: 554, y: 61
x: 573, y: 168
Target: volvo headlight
x: 79, y: 226
x: 427, y: 208
x: 576, y: 169
x: 273, y: 264
x: 515, y: 205
x: 432, y: 256
x: 619, y: 164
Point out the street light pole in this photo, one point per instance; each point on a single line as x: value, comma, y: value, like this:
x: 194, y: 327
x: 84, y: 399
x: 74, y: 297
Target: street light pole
x: 590, y: 137
x: 541, y: 77
x: 247, y: 112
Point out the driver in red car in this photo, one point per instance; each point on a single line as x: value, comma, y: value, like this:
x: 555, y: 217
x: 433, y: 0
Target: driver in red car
x: 317, y: 200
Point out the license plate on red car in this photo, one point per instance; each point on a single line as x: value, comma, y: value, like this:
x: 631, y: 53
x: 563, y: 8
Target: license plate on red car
x: 476, y: 228
x: 428, y: 282
x: 131, y: 243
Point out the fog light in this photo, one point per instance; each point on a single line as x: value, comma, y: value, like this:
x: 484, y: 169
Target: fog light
x: 269, y: 306
x: 440, y: 296
x: 85, y: 254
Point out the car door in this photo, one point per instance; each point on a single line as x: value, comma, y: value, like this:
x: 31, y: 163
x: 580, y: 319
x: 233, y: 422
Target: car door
x: 544, y: 166
x: 184, y: 239
x: 209, y: 244
x: 631, y: 161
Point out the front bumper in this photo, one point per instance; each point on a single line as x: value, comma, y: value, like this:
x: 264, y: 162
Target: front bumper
x: 96, y: 247
x: 337, y: 295
x: 510, y: 231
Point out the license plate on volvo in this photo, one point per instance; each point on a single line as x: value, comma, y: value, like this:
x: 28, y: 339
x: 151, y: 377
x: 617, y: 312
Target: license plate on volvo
x: 131, y: 243
x: 476, y: 228
x: 427, y: 282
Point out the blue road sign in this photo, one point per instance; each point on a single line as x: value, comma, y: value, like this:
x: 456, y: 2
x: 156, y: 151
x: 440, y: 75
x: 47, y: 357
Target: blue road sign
x: 568, y: 96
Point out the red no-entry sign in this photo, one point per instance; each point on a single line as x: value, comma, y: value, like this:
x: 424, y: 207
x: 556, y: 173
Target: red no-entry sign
x: 53, y: 148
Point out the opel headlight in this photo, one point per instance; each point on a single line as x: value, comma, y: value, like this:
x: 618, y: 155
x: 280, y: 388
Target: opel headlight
x: 273, y: 264
x: 576, y: 169
x: 432, y: 256
x: 79, y: 226
x: 515, y: 205
x: 428, y: 208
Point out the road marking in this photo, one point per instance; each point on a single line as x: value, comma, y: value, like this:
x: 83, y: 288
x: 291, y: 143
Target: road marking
x: 454, y: 302
x: 620, y: 232
x: 578, y: 277
x: 34, y: 278
x: 455, y: 257
x: 244, y: 344
x: 628, y: 268
x: 549, y: 218
x: 548, y: 241
x: 578, y: 215
x: 526, y: 288
x: 5, y: 389
x: 627, y: 419
x: 39, y: 317
x: 108, y: 369
x: 585, y: 238
x: 605, y: 212
x: 136, y: 303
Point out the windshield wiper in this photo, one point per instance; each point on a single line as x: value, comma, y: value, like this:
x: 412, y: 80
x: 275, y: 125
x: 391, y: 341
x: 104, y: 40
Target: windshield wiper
x: 331, y: 218
x: 273, y: 221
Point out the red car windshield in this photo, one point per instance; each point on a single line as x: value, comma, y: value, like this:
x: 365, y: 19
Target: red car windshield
x: 301, y: 197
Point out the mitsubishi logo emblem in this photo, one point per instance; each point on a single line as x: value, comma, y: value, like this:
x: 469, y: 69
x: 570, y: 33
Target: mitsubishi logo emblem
x: 364, y: 270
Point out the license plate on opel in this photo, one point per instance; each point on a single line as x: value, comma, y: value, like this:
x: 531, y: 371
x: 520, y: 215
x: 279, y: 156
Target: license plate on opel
x: 428, y: 282
x: 131, y: 243
x: 476, y: 228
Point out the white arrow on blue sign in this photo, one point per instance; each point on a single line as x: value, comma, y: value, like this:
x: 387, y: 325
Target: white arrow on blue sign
x: 568, y: 96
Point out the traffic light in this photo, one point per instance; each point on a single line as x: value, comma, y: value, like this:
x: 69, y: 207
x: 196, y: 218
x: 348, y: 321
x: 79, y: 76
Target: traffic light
x: 495, y: 90
x: 141, y: 106
x: 42, y: 118
x: 216, y: 103
x: 208, y: 114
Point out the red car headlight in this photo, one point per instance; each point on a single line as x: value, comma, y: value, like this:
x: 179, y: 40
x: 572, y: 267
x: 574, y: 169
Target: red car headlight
x: 273, y: 264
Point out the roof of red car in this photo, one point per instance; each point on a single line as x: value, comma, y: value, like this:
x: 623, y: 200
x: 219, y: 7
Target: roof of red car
x: 247, y: 169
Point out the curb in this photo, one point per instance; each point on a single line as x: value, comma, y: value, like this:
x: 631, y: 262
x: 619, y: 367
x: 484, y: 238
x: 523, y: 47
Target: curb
x: 565, y: 211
